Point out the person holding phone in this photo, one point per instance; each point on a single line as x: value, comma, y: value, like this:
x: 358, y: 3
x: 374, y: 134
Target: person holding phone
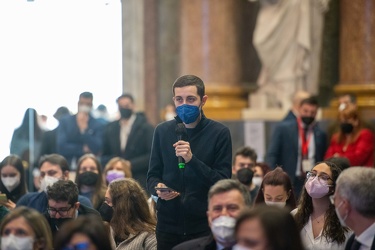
x: 207, y: 152
x: 12, y: 181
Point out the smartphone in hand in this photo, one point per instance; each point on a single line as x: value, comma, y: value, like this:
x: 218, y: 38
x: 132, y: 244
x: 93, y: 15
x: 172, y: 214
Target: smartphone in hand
x: 164, y: 189
x: 3, y: 197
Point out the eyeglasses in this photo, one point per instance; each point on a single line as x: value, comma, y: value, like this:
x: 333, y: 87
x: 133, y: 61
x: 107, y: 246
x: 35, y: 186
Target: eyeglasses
x: 332, y: 199
x: 323, y: 177
x: 62, y: 211
x: 78, y: 246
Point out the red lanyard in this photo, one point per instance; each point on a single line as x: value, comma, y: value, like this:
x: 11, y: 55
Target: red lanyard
x: 305, y: 141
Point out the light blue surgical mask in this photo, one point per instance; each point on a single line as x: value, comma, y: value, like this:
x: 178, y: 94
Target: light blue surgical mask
x: 188, y: 113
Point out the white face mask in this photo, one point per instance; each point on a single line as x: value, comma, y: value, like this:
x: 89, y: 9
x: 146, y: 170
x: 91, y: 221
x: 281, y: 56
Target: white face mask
x: 239, y: 247
x: 280, y: 204
x: 47, y: 181
x: 223, y: 229
x: 84, y: 109
x: 257, y: 180
x: 10, y: 183
x: 12, y: 242
x: 341, y: 219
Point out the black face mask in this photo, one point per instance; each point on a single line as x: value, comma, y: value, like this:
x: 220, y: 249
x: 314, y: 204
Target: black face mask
x: 307, y: 120
x: 57, y: 223
x: 126, y: 113
x: 88, y: 178
x: 106, y: 211
x: 346, y: 128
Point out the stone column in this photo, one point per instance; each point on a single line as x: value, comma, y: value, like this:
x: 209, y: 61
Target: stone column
x: 357, y: 54
x: 211, y: 48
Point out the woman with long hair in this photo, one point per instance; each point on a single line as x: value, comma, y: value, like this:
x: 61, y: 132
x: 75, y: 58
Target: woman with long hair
x: 353, y: 141
x: 315, y: 216
x: 12, y: 181
x: 27, y: 229
x: 85, y: 232
x: 89, y: 179
x: 117, y: 168
x: 126, y: 208
x: 267, y: 228
x: 276, y: 190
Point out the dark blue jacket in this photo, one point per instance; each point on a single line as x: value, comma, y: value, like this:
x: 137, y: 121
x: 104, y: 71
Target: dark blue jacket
x: 39, y: 201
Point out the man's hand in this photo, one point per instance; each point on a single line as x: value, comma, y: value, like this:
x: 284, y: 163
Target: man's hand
x: 183, y: 149
x: 166, y: 194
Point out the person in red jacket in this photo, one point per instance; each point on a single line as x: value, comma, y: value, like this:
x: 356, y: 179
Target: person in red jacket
x: 352, y: 141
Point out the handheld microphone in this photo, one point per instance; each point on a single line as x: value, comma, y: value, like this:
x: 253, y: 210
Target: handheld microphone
x: 181, y: 133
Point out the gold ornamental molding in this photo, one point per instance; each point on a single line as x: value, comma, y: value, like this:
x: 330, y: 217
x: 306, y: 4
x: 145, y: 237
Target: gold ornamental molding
x: 226, y: 102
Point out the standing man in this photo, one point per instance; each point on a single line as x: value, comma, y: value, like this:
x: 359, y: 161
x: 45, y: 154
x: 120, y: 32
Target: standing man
x: 296, y: 145
x: 130, y: 137
x: 205, y: 147
x: 354, y: 200
x: 226, y: 199
x: 80, y: 133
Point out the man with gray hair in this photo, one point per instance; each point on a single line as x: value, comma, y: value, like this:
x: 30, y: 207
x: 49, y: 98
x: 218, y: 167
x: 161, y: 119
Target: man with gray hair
x: 226, y: 198
x: 354, y: 200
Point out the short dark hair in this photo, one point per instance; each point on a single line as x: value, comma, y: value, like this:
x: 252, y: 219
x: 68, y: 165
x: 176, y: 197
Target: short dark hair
x: 227, y: 185
x: 63, y: 190
x: 341, y: 162
x: 190, y: 80
x: 55, y: 159
x: 125, y: 95
x: 86, y: 95
x: 246, y: 152
x: 312, y: 100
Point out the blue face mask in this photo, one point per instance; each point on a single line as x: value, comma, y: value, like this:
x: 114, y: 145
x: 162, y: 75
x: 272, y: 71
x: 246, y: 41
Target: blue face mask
x: 188, y: 113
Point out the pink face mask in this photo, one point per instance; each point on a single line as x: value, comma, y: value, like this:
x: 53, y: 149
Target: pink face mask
x: 317, y: 188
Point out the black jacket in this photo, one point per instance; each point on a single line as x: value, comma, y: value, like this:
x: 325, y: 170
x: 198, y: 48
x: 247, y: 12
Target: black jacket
x: 137, y: 149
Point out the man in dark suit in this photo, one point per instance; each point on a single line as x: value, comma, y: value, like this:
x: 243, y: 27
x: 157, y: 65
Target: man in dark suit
x: 226, y: 199
x: 354, y: 200
x: 129, y: 137
x: 296, y: 145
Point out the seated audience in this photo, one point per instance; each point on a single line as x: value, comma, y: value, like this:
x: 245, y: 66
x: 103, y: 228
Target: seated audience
x: 353, y: 141
x: 52, y: 168
x: 25, y: 229
x: 245, y: 158
x: 342, y: 162
x: 89, y: 179
x: 85, y: 232
x: 13, y: 180
x: 266, y: 228
x: 276, y: 190
x: 260, y: 169
x: 117, y: 168
x: 226, y: 199
x: 315, y: 216
x: 126, y: 209
x: 245, y: 176
x: 355, y: 206
x: 63, y: 204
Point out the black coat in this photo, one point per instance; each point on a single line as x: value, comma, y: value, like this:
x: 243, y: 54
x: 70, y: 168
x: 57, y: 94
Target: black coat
x: 138, y: 146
